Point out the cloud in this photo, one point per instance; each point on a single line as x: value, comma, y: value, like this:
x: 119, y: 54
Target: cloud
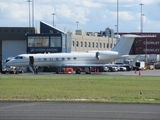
x: 14, y: 11
x: 90, y: 3
x: 126, y: 16
x: 92, y: 15
x: 67, y: 14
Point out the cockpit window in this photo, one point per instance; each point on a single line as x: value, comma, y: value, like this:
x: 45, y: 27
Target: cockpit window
x: 19, y: 57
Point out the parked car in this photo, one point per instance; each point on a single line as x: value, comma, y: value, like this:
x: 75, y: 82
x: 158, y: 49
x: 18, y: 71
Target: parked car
x: 105, y: 69
x: 157, y: 65
x: 122, y: 68
x: 112, y: 68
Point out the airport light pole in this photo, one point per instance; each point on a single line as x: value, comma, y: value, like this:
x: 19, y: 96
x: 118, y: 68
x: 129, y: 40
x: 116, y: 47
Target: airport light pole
x: 141, y: 4
x: 146, y: 52
x: 29, y: 12
x: 142, y: 21
x: 117, y: 17
x: 77, y: 24
x: 53, y: 18
x: 32, y: 13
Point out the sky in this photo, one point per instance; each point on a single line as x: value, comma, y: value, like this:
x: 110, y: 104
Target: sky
x: 91, y: 15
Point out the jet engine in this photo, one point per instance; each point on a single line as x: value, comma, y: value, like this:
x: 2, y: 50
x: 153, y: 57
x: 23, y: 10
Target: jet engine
x: 106, y: 54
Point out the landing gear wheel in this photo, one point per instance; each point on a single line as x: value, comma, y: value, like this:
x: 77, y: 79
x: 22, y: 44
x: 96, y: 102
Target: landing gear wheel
x: 78, y: 71
x: 88, y: 72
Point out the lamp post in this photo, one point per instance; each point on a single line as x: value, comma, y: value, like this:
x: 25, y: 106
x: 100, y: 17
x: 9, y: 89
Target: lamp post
x: 141, y: 18
x: 53, y: 18
x: 29, y: 12
x: 117, y: 17
x: 142, y: 21
x: 32, y: 13
x: 146, y: 51
x: 77, y: 24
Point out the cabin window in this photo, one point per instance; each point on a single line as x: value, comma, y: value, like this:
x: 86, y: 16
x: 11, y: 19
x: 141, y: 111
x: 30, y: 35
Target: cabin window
x: 75, y: 58
x: 18, y: 57
x: 69, y: 58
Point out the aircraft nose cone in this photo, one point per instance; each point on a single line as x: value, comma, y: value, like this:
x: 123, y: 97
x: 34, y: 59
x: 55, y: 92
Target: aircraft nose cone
x: 10, y: 63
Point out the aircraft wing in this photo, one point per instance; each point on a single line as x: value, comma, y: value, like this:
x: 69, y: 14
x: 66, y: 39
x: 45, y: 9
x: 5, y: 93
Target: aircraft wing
x: 83, y: 65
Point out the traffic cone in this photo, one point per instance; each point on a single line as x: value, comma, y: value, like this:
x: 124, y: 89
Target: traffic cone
x: 139, y: 73
x: 97, y: 70
x: 135, y: 71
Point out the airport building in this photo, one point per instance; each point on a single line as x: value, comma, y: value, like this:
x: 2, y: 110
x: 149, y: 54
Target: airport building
x: 148, y: 46
x: 82, y: 41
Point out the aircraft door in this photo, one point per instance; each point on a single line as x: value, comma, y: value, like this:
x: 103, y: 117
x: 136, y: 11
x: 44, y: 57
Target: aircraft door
x: 31, y: 60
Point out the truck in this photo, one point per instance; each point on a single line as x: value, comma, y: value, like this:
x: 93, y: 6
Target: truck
x: 140, y: 64
x: 10, y: 69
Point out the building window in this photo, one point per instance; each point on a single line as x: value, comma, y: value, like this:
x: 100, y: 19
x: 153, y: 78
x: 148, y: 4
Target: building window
x: 73, y: 43
x: 55, y: 41
x: 85, y: 45
x: 81, y: 44
x: 96, y: 45
x: 93, y: 44
x: 89, y: 44
x: 38, y: 41
x: 111, y: 45
x: 104, y: 45
x: 107, y: 45
x: 77, y: 44
x: 100, y: 45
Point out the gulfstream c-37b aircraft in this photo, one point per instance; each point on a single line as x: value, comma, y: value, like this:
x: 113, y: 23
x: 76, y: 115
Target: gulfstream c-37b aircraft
x: 75, y: 60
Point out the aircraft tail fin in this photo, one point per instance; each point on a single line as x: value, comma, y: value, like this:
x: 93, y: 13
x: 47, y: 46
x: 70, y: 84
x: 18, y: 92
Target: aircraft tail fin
x: 124, y: 44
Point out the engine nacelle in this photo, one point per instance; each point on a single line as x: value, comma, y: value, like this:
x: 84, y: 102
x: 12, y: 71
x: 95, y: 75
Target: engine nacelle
x: 106, y: 54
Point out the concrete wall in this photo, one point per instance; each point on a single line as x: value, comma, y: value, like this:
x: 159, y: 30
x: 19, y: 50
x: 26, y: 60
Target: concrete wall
x: 11, y: 48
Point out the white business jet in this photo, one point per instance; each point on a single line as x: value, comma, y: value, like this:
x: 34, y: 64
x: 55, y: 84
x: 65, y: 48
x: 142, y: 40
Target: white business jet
x: 75, y: 60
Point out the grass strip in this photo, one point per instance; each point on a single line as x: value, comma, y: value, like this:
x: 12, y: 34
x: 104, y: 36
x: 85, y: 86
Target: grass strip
x: 97, y: 88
